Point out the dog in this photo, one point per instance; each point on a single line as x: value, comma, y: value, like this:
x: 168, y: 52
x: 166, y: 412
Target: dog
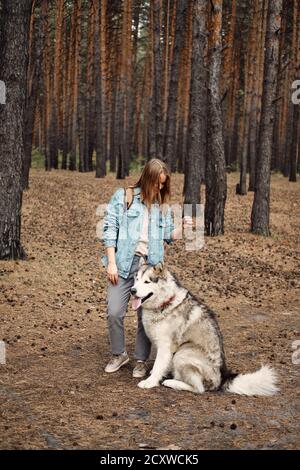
x: 188, y: 339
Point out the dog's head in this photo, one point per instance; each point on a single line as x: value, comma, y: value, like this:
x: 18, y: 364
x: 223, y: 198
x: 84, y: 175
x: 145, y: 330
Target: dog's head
x: 151, y: 287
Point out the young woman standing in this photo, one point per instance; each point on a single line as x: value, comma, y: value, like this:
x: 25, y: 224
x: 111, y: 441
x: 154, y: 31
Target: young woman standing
x: 130, y: 237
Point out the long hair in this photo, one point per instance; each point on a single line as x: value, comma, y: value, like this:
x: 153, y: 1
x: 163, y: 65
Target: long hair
x: 149, y: 183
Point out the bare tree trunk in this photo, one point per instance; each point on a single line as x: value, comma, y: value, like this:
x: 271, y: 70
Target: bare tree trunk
x: 75, y: 71
x: 215, y: 178
x: 255, y: 102
x: 279, y: 103
x: 33, y: 83
x: 46, y: 83
x: 138, y: 80
x: 184, y: 93
x: 170, y: 134
x: 249, y: 93
x: 151, y: 119
x: 66, y: 101
x: 196, y: 151
x: 89, y: 104
x: 230, y: 79
x: 14, y: 27
x: 55, y: 124
x: 296, y: 114
x: 157, y: 78
x: 82, y: 86
x: 100, y: 154
x: 261, y: 203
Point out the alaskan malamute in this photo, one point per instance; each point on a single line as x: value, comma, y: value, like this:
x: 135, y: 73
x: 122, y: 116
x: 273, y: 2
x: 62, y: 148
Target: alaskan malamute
x: 188, y: 339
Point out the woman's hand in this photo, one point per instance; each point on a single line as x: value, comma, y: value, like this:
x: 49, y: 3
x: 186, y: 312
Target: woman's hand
x: 187, y: 221
x: 112, y: 273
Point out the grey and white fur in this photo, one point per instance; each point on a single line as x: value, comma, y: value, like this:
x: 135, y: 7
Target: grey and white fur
x: 188, y: 339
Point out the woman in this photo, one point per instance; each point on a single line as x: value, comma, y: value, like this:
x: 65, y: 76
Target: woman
x: 138, y: 232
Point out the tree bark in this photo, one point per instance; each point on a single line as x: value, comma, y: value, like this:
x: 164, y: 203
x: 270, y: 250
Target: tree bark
x: 100, y: 154
x: 33, y: 84
x: 170, y: 133
x: 15, y: 22
x: 249, y: 94
x: 55, y: 123
x: 296, y: 115
x: 215, y: 178
x: 261, y: 204
x: 231, y: 72
x: 157, y: 79
x: 75, y: 83
x: 196, y: 151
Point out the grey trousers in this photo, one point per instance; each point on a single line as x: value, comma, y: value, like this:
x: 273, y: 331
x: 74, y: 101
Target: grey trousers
x: 117, y: 301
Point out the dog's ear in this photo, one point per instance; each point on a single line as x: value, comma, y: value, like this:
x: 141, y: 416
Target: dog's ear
x: 160, y: 269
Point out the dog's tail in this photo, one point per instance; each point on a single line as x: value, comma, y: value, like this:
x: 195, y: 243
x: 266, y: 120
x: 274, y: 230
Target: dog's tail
x: 262, y: 382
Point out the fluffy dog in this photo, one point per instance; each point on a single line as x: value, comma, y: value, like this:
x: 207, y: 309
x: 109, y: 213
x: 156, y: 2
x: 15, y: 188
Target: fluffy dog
x: 188, y: 339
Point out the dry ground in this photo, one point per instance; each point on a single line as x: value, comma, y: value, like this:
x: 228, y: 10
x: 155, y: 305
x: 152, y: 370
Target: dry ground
x: 53, y: 391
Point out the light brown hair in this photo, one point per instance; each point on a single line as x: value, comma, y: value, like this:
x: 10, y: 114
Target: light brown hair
x: 149, y: 180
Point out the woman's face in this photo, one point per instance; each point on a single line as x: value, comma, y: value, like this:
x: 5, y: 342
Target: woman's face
x: 162, y: 179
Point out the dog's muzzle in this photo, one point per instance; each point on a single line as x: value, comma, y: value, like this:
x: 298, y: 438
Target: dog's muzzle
x: 137, y: 301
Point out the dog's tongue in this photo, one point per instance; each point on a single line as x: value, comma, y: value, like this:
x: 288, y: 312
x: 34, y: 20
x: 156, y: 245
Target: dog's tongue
x: 136, y: 302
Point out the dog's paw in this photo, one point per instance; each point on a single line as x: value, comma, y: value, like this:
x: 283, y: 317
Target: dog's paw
x: 148, y: 383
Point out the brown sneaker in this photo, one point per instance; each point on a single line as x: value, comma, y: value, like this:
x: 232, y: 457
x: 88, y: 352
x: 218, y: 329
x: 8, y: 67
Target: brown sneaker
x: 140, y: 370
x: 116, y: 362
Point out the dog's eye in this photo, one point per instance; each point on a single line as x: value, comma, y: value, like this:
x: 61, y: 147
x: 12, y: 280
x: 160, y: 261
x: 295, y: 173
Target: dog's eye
x: 147, y: 282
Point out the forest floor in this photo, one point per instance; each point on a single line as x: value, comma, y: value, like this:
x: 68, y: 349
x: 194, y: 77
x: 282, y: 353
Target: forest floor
x: 54, y: 393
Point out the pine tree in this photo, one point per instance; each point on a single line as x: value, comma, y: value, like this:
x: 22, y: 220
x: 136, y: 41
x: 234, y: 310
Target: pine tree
x: 261, y: 203
x: 14, y: 26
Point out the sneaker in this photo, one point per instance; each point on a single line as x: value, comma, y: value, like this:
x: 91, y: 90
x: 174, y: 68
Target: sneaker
x: 116, y: 362
x: 140, y: 370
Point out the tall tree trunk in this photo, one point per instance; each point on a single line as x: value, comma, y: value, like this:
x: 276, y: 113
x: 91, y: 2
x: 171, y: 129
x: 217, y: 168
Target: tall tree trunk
x: 230, y: 80
x: 184, y: 93
x: 46, y: 82
x: 100, y: 154
x: 90, y: 79
x: 170, y: 134
x: 15, y: 22
x: 104, y: 82
x: 249, y: 94
x: 279, y: 103
x: 75, y: 82
x: 261, y: 203
x: 168, y: 41
x: 81, y: 93
x: 126, y: 81
x: 157, y: 78
x: 215, y: 178
x: 66, y: 100
x: 254, y: 100
x: 33, y: 82
x: 138, y: 80
x: 296, y: 115
x: 196, y: 151
x: 55, y: 124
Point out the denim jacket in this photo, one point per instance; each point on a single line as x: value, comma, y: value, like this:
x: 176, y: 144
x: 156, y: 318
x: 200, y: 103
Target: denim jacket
x: 122, y: 229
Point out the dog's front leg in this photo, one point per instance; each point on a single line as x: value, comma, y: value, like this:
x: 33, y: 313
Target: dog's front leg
x: 161, y: 366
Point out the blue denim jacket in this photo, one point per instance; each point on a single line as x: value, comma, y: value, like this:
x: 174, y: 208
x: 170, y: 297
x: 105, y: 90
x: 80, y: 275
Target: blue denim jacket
x: 122, y: 229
